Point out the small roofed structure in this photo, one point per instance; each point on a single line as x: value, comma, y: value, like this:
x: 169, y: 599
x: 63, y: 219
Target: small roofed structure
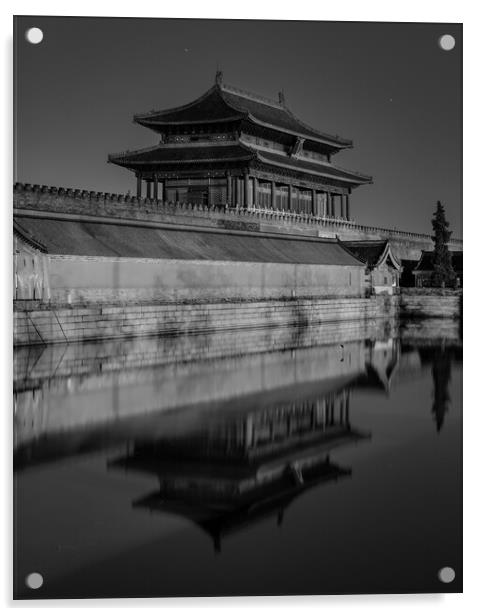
x: 383, y: 269
x: 424, y: 269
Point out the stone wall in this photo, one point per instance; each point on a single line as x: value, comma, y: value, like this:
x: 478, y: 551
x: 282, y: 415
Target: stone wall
x: 406, y: 245
x: 430, y: 303
x: 39, y: 323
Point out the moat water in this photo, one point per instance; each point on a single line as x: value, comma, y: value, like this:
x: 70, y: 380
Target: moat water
x: 320, y: 460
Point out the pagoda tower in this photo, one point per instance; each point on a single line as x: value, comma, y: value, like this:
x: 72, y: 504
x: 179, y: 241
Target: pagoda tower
x: 236, y: 149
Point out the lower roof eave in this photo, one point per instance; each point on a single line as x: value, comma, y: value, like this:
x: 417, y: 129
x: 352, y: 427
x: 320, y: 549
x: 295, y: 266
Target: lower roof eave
x: 297, y: 166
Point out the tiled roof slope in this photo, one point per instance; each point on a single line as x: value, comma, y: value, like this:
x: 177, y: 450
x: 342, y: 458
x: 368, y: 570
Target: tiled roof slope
x: 318, y: 168
x: 223, y: 102
x: 277, y: 115
x: 426, y: 260
x: 179, y: 154
x: 164, y: 154
x: 71, y: 237
x: 369, y: 252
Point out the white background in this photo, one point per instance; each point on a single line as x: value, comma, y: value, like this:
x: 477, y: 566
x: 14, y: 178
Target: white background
x: 465, y: 11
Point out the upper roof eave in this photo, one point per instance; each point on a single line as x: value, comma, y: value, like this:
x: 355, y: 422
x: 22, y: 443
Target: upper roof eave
x: 324, y: 140
x: 155, y: 118
x: 310, y: 132
x: 149, y: 114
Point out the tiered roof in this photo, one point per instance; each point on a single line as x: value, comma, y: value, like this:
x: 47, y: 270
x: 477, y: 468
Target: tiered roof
x: 223, y: 103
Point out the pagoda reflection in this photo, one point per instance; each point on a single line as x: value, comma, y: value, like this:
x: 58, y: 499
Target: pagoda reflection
x: 237, y: 471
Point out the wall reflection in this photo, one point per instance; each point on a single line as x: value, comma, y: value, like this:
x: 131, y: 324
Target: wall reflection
x: 80, y: 398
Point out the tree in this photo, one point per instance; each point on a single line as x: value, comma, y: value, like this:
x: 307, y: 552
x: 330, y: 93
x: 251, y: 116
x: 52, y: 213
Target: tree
x: 443, y: 272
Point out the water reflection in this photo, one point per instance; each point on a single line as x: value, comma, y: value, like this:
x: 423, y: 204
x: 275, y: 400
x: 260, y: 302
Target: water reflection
x: 82, y: 396
x: 225, y: 433
x: 234, y: 472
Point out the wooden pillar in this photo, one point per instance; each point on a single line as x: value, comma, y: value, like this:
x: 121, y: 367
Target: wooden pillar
x: 273, y: 195
x: 290, y: 197
x: 348, y: 207
x: 313, y: 203
x: 255, y: 192
x: 229, y: 189
x: 162, y: 192
x: 246, y: 201
x: 139, y: 187
x: 148, y: 187
x: 238, y: 192
x: 329, y: 203
x: 156, y: 188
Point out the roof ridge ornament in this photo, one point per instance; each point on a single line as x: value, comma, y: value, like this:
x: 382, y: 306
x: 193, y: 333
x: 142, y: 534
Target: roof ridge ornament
x: 281, y: 97
x: 219, y: 77
x: 251, y: 95
x: 298, y: 147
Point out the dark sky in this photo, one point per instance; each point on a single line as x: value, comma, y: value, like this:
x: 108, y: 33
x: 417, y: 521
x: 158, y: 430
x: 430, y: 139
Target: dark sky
x: 389, y: 87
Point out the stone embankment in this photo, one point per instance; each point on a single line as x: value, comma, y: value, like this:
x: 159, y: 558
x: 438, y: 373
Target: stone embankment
x: 46, y: 323
x: 431, y: 303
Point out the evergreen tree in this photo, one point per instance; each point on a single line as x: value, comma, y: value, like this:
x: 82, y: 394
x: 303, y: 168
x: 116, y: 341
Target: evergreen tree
x: 443, y: 271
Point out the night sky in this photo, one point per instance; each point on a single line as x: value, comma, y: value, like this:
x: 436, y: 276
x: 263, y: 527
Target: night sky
x: 388, y: 87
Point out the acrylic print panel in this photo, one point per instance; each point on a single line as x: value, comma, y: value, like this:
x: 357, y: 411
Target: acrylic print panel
x: 238, y: 350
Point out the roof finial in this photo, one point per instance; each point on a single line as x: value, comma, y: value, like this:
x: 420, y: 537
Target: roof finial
x: 219, y: 77
x: 281, y: 97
